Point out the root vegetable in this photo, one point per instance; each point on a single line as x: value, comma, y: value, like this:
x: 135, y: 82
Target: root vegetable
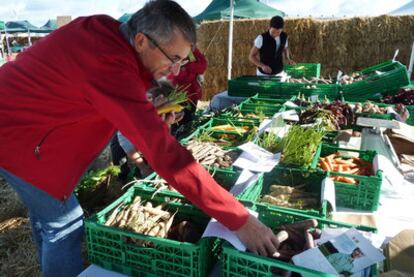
x: 310, y: 243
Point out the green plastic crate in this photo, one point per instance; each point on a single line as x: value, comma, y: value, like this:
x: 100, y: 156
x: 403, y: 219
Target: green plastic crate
x: 303, y: 70
x: 330, y: 91
x: 393, y: 77
x: 236, y: 263
x: 111, y: 248
x: 374, y: 115
x: 246, y: 86
x: 410, y: 120
x: 362, y: 196
x: 256, y: 100
x: 290, y: 177
x: 226, y: 178
x: 266, y: 109
x: 234, y: 138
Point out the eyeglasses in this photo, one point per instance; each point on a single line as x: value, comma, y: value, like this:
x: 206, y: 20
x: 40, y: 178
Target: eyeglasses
x: 175, y: 65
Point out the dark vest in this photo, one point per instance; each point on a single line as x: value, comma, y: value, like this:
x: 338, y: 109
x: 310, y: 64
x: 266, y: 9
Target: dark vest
x: 268, y: 54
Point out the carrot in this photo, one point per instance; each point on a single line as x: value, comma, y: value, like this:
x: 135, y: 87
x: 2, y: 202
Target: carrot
x: 342, y: 161
x: 324, y: 165
x: 331, y: 157
x: 349, y: 180
x: 354, y: 171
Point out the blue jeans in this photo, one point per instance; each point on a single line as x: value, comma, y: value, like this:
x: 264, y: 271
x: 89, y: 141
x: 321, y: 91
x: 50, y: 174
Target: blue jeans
x: 57, y: 228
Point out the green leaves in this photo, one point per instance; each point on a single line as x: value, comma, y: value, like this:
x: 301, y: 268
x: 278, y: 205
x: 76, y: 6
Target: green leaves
x: 300, y: 146
x: 94, y: 178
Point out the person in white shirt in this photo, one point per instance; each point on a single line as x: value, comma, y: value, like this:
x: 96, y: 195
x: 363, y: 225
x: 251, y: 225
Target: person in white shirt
x: 270, y: 49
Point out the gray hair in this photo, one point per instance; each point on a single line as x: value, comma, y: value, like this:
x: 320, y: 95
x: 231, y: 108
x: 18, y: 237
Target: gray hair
x: 161, y: 19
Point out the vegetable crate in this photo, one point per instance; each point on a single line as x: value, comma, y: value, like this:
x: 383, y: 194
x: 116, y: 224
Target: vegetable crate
x: 227, y: 132
x: 330, y: 138
x: 265, y: 101
x: 410, y: 120
x: 311, y: 181
x: 303, y: 70
x: 365, y: 194
x: 225, y: 178
x: 114, y: 249
x: 382, y: 79
x: 330, y: 91
x: 246, y: 86
x: 267, y: 110
x: 237, y: 263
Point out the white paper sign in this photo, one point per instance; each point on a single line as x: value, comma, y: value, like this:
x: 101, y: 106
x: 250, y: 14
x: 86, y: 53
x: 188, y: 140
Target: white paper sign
x: 328, y: 192
x: 216, y: 229
x: 256, y: 159
x: 245, y: 180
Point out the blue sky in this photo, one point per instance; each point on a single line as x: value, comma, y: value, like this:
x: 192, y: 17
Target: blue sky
x: 39, y: 11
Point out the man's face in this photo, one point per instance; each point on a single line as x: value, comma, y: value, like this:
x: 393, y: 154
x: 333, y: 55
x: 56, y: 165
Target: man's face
x: 274, y: 32
x: 162, y: 59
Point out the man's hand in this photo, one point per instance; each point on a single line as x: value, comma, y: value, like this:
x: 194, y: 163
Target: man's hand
x: 169, y: 118
x: 172, y: 118
x: 266, y: 69
x: 258, y: 238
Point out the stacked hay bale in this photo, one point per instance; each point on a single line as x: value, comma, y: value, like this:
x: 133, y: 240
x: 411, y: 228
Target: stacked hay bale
x: 340, y: 44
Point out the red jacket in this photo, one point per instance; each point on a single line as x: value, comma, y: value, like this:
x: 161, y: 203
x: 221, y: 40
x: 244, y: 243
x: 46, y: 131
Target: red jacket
x: 63, y: 98
x: 188, y: 76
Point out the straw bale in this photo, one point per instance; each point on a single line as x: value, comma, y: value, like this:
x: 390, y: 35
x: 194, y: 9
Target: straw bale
x: 338, y: 44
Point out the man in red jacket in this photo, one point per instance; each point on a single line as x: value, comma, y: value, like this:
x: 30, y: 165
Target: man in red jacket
x: 62, y: 100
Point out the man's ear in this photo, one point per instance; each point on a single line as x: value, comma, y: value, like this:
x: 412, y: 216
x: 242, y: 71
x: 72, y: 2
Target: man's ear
x: 140, y: 42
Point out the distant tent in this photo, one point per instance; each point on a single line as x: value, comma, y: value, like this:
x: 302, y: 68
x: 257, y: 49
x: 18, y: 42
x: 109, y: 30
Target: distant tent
x: 23, y: 26
x: 220, y: 9
x: 125, y: 17
x: 2, y: 25
x: 50, y: 26
x: 404, y: 10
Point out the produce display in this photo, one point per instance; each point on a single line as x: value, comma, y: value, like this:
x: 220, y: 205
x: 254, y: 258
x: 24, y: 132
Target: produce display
x: 353, y: 165
x: 313, y: 80
x: 291, y: 197
x: 404, y: 96
x: 141, y: 217
x: 228, y: 135
x: 295, y: 238
x: 300, y: 145
x: 270, y: 141
x: 369, y: 107
x: 210, y: 154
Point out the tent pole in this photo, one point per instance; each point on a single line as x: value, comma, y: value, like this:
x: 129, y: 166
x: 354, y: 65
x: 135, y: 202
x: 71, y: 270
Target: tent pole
x: 410, y: 66
x: 7, y: 41
x: 29, y: 38
x: 229, y: 67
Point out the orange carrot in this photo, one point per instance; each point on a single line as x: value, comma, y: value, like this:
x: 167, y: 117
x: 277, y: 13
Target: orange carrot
x: 324, y: 165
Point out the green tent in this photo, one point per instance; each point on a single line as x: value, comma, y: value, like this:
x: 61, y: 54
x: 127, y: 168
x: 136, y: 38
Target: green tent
x: 22, y: 26
x: 125, y: 17
x: 220, y: 9
x: 50, y: 26
x: 2, y: 26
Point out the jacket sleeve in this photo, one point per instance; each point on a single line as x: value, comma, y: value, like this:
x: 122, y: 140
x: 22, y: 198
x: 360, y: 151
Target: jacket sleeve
x: 116, y: 91
x: 198, y: 66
